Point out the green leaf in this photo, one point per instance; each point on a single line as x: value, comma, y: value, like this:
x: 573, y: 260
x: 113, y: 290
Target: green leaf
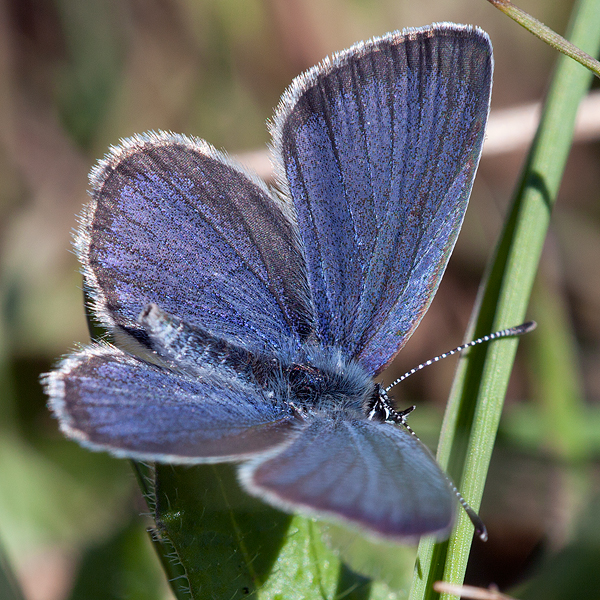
x: 379, y: 561
x: 226, y: 541
x: 306, y: 567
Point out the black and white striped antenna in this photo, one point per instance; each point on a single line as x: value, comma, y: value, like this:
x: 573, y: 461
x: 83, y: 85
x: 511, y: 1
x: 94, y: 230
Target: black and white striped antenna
x: 509, y: 332
x: 400, y: 417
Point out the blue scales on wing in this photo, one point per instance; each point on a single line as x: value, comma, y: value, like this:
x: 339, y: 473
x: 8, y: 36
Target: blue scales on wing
x: 174, y: 222
x: 374, y: 475
x: 110, y: 400
x: 262, y: 319
x: 378, y: 149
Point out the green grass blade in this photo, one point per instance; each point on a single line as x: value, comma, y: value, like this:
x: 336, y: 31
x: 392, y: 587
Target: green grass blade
x: 547, y: 35
x: 477, y: 396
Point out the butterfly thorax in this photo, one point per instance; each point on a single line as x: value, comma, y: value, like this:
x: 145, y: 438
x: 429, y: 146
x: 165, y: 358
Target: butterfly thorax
x: 345, y: 388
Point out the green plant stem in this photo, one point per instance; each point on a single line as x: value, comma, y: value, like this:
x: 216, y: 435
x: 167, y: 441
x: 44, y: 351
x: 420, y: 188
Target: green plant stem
x: 547, y: 35
x: 172, y: 567
x: 477, y: 396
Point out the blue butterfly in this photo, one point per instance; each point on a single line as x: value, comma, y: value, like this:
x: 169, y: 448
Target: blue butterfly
x: 249, y: 323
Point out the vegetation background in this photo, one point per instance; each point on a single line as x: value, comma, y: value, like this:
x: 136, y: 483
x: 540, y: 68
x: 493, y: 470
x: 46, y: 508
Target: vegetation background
x: 76, y: 77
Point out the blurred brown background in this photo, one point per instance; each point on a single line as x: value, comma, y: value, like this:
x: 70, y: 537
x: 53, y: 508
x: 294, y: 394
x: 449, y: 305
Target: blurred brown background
x: 77, y: 76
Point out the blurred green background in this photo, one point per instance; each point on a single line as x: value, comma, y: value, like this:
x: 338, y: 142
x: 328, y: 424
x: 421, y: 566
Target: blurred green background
x: 77, y: 76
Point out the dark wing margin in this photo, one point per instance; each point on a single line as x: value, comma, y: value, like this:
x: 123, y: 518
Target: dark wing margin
x: 376, y: 476
x: 378, y: 149
x: 174, y: 222
x: 108, y: 400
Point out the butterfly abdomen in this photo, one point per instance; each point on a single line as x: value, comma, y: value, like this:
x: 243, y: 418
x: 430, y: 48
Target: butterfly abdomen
x: 196, y: 350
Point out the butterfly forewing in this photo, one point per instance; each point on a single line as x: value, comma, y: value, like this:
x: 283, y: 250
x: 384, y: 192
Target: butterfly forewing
x: 174, y: 223
x: 379, y: 148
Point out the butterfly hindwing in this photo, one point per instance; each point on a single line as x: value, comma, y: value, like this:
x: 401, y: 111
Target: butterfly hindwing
x: 374, y: 475
x: 110, y: 400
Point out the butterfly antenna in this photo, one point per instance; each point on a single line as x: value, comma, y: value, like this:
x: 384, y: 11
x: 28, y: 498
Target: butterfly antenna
x: 400, y: 417
x: 480, y: 528
x: 511, y: 331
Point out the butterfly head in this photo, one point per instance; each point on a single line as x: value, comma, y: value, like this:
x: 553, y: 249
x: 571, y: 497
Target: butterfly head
x: 380, y: 409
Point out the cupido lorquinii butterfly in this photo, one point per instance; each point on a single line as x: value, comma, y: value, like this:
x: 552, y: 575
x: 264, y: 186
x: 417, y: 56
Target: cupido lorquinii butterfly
x: 247, y: 323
